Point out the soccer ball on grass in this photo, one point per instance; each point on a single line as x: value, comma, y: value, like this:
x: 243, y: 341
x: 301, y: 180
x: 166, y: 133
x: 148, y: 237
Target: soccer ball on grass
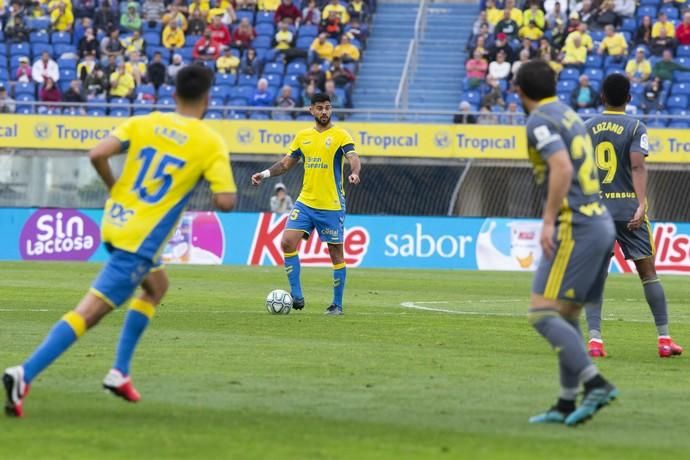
x: 279, y: 302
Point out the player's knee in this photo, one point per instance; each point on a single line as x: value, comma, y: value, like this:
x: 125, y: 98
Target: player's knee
x: 646, y: 269
x: 287, y: 246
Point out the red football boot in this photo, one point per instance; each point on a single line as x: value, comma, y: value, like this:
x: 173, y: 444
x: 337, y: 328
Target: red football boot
x: 668, y: 348
x: 121, y: 386
x: 16, y: 390
x: 595, y: 348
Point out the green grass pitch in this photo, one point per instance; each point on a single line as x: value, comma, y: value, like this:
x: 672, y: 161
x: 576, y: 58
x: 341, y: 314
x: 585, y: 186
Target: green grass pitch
x: 221, y: 378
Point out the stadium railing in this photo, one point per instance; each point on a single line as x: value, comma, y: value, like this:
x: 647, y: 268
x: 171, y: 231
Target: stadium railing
x: 401, y: 97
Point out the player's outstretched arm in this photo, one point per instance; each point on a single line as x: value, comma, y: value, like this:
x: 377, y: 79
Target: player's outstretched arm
x: 560, y: 178
x: 639, y: 177
x: 225, y: 201
x: 278, y: 169
x: 355, y: 167
x: 99, y: 156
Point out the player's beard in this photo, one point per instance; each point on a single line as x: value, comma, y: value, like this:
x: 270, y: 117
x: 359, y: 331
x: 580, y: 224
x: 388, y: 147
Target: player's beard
x: 321, y: 123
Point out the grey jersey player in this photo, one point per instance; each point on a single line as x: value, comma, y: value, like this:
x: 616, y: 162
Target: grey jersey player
x: 620, y: 147
x: 577, y: 239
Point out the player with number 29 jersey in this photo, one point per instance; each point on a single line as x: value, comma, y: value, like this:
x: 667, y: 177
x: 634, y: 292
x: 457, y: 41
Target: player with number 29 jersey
x: 167, y: 154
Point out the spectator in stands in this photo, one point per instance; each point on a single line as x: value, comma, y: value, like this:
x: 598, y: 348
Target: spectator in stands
x: 7, y: 104
x: 321, y: 49
x: 482, y: 47
x: 574, y: 54
x: 480, y: 22
x: 531, y: 31
x: 61, y: 18
x: 343, y: 78
x: 614, y: 45
x: 584, y: 35
x: 229, y: 16
x: 87, y: 65
x: 359, y: 10
x: 136, y: 67
x: 311, y: 14
x: 556, y: 17
x: 23, y: 74
x: 315, y: 76
x: 16, y: 31
x: 105, y: 19
x: 515, y: 13
x: 84, y: 8
x: 228, y: 63
x: 74, y: 95
x: 155, y: 73
x: 651, y: 98
x: 196, y: 24
x: 262, y: 96
x: 573, y: 22
x: 501, y: 44
x: 485, y: 36
x: 268, y: 5
x: 283, y: 39
x: 527, y: 46
x: 174, y: 67
x: 219, y: 33
x: 588, y: 15
x: 121, y: 82
x: 493, y: 14
x: 134, y: 43
x: 545, y: 49
x: 285, y: 100
x: 175, y: 15
x: 339, y: 10
x: 173, y: 36
x: 357, y: 29
x: 111, y: 64
x: 281, y: 202
x: 206, y: 48
x: 45, y: 68
x: 534, y: 13
x: 507, y: 26
x: 643, y: 33
x: 486, y: 117
x: 251, y: 65
x: 555, y: 65
x: 88, y: 44
x: 664, y: 68
x: 494, y: 95
x: 308, y: 92
x: 661, y: 43
x: 583, y: 96
x: 243, y: 35
x: 638, y: 69
x: 463, y: 117
x: 606, y: 16
x: 111, y: 45
x: 287, y: 11
x: 663, y: 23
x: 523, y: 58
x: 475, y: 70
x: 246, y: 5
x: 336, y: 101
x: 49, y: 92
x: 152, y: 11
x: 513, y: 116
x: 131, y: 20
x: 197, y: 5
x: 96, y: 84
x: 683, y: 30
x: 332, y: 25
x: 346, y: 51
x: 500, y: 68
x: 625, y: 8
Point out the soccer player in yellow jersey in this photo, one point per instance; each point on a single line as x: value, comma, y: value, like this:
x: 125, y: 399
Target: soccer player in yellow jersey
x: 321, y: 205
x: 167, y: 154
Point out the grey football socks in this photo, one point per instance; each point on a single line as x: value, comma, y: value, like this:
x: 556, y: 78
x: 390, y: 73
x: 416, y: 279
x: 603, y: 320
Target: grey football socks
x: 654, y: 293
x: 593, y: 314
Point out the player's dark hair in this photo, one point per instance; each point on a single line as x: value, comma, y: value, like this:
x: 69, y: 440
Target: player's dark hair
x: 536, y: 79
x: 193, y: 82
x: 616, y: 90
x: 319, y: 98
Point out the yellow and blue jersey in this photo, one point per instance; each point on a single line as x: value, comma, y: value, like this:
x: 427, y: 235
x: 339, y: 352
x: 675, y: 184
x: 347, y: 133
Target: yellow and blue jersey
x: 324, y: 155
x: 167, y: 154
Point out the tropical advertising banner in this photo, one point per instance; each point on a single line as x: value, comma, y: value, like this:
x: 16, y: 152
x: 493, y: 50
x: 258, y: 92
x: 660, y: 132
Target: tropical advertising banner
x: 370, y: 241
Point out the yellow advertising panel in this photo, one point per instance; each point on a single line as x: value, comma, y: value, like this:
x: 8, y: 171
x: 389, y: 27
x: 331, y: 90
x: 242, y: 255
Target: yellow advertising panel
x: 371, y: 139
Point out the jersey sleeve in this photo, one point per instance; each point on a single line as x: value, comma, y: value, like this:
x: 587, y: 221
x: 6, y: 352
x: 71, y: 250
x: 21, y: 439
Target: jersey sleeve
x: 123, y: 133
x: 544, y: 137
x: 347, y: 144
x: 294, y: 149
x: 218, y: 172
x: 640, y: 141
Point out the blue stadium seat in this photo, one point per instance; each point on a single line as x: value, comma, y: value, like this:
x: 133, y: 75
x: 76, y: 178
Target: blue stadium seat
x: 296, y: 68
x: 569, y: 73
x: 247, y: 80
x: 564, y: 97
x: 25, y: 97
x: 20, y: 49
x: 684, y: 61
x: 680, y: 89
x: 565, y: 86
x: 308, y: 30
x: 152, y: 27
x: 292, y: 80
x: 614, y: 69
x: 588, y: 112
x: 261, y: 42
x: 473, y: 97
x: 142, y: 111
x: 265, y: 29
x: 146, y: 88
x: 64, y: 48
x: 238, y: 102
x: 677, y: 102
x: 217, y: 102
x: 71, y: 111
x: 629, y: 25
x: 67, y: 63
x: 283, y: 116
x: 597, y: 35
x: 671, y: 12
x: 191, y: 40
x: 152, y: 38
x: 680, y: 112
x: 95, y: 112
x: 226, y: 79
x: 38, y: 48
x: 274, y: 68
x: 166, y: 100
x: 259, y: 116
x: 245, y: 14
x: 63, y: 84
x: 304, y: 117
x: 119, y: 101
x: 39, y: 37
x: 241, y: 92
x: 120, y: 113
x: 25, y: 109
x: 683, y: 51
x: 656, y: 123
x: 214, y: 115
x: 264, y: 17
x: 166, y: 91
x: 637, y: 88
x: 187, y: 53
x: 304, y: 42
x: 274, y: 80
x: 4, y: 75
x: 25, y: 88
x: 679, y: 124
x: 38, y: 23
x: 649, y: 3
x: 594, y: 61
x: 67, y: 75
x: 513, y: 98
x: 219, y: 92
x: 57, y: 38
x: 646, y: 10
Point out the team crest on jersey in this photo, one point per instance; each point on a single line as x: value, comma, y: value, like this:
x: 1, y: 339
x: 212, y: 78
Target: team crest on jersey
x: 328, y: 142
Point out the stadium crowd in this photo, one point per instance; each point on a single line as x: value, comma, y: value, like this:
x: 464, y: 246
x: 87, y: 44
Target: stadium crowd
x: 266, y: 53
x: 583, y: 41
